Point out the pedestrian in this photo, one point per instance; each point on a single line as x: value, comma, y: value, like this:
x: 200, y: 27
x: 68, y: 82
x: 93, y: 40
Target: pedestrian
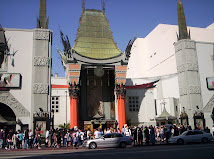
x: 26, y: 139
x: 213, y: 130
x: 65, y: 139
x: 140, y: 136
x: 146, y: 132
x: 207, y: 130
x: 108, y: 131
x: 118, y: 130
x: 176, y: 131
x: 69, y: 138
x: 1, y: 138
x: 9, y: 141
x: 20, y: 137
x: 74, y: 138
x: 162, y: 134
x: 135, y: 134
x: 152, y: 135
x: 81, y: 138
x: 47, y: 133
x: 58, y: 137
x: 30, y: 135
x: 54, y: 138
x: 96, y: 134
x: 127, y: 131
x: 14, y: 140
x: 39, y: 140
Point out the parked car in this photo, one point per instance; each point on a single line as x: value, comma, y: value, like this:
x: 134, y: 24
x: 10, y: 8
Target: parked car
x: 191, y: 136
x: 109, y: 140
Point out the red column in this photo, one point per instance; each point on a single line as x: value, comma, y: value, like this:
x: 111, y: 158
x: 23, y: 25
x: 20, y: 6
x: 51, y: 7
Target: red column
x: 73, y: 112
x: 121, y: 112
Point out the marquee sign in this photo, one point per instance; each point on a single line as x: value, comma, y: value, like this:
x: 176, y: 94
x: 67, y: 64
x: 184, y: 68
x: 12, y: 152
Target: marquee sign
x: 10, y: 80
x: 210, y: 83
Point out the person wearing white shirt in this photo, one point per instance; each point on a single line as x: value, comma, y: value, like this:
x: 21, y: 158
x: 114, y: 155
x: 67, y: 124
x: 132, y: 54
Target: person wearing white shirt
x: 46, y: 137
x: 96, y: 134
x: 213, y: 130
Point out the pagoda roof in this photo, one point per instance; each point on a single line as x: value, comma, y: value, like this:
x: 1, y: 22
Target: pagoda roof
x: 94, y: 37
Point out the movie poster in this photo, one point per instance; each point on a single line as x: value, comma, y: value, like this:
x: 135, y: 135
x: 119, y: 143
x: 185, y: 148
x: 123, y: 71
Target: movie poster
x: 41, y: 126
x: 9, y: 80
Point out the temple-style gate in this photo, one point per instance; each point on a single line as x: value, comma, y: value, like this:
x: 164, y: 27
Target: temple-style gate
x: 96, y: 72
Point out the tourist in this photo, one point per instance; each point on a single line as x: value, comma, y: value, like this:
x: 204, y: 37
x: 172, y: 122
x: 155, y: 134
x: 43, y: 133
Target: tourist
x: 30, y: 135
x: 89, y: 134
x: 213, y: 130
x: 152, y: 135
x: 146, y: 132
x: 26, y: 139
x: 69, y: 138
x: 1, y: 138
x: 96, y: 134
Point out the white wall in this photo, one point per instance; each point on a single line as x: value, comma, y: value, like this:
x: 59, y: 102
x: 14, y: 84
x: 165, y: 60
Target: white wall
x: 60, y: 117
x: 205, y: 53
x: 153, y: 57
x: 21, y: 40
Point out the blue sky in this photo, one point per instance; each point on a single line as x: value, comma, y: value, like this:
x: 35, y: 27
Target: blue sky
x: 127, y: 18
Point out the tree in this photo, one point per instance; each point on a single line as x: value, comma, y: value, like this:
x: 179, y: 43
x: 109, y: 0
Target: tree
x: 65, y: 126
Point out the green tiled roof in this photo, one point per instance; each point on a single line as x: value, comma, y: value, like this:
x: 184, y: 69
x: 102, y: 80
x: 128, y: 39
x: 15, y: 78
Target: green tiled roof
x: 94, y: 37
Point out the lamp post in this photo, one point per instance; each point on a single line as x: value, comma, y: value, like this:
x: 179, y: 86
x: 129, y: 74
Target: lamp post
x: 66, y: 107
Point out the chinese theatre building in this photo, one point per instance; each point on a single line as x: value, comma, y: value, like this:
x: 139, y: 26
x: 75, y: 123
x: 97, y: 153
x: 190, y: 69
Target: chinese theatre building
x: 96, y: 72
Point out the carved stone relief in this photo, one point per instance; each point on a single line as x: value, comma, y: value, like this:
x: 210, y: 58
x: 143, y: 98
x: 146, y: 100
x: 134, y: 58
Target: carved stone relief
x: 189, y: 45
x: 192, y: 67
x: 194, y: 90
x: 121, y: 91
x: 8, y: 99
x: 210, y: 105
x: 184, y: 45
x: 41, y: 35
x: 183, y: 91
x: 40, y: 88
x: 181, y: 68
x: 41, y: 61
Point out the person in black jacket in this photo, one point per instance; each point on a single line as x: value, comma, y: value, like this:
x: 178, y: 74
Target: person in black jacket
x: 140, y: 136
x: 146, y: 132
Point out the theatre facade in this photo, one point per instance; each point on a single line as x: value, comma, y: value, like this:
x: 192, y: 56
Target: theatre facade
x: 25, y: 72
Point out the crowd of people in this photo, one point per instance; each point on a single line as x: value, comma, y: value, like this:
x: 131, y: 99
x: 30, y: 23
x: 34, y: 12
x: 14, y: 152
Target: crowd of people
x: 57, y: 138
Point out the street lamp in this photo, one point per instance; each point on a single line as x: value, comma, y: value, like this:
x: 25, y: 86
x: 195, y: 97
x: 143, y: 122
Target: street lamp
x: 66, y: 107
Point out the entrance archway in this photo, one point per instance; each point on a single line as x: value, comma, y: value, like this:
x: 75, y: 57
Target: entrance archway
x: 7, y: 118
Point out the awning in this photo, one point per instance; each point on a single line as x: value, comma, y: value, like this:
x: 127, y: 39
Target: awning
x: 143, y: 86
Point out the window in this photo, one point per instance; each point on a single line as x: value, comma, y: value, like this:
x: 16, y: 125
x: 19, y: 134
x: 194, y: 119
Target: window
x: 133, y: 104
x: 107, y: 135
x: 190, y: 133
x: 198, y: 132
x: 55, y: 104
x: 118, y: 135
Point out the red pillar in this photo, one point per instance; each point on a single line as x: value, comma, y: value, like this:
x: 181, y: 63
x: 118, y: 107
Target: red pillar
x: 121, y: 112
x: 73, y: 112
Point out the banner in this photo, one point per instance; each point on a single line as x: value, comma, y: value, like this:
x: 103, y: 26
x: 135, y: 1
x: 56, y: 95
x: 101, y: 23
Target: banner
x: 210, y: 83
x: 10, y: 80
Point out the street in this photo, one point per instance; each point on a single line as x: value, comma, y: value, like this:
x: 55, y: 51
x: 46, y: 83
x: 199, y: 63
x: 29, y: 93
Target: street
x: 189, y: 151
